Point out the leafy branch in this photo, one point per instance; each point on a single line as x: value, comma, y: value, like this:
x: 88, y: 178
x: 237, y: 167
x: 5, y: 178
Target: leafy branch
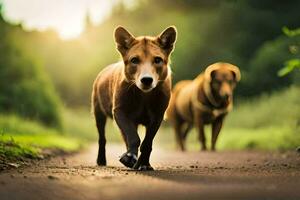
x: 291, y: 64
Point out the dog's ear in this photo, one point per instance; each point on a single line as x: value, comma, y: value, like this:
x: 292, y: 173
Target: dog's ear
x: 123, y: 39
x: 213, y: 74
x: 236, y: 72
x: 210, y: 72
x: 167, y: 39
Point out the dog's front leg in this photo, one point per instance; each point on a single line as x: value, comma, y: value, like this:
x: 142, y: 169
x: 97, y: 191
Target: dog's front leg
x: 146, y: 147
x: 129, y: 131
x: 216, y: 127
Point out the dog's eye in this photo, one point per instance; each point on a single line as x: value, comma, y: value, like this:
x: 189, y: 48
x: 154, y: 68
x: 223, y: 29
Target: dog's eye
x: 135, y: 60
x: 158, y: 60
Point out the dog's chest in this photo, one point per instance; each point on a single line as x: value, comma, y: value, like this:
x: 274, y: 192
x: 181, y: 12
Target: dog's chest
x: 143, y: 110
x: 144, y: 116
x: 208, y: 117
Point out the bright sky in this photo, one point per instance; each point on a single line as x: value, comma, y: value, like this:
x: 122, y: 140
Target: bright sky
x: 65, y: 16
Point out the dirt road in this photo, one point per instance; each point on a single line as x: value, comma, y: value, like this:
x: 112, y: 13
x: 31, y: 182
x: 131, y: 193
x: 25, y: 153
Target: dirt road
x: 192, y: 175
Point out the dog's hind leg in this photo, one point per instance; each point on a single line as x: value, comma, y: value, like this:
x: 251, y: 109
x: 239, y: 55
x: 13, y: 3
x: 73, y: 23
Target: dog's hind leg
x: 179, y: 135
x: 216, y: 127
x: 100, y: 122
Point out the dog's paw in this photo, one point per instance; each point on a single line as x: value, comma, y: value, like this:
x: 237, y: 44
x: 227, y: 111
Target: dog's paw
x: 140, y: 166
x: 145, y: 168
x: 128, y: 159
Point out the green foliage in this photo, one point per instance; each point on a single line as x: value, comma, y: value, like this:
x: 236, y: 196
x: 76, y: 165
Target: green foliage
x: 265, y: 66
x: 289, y: 32
x: 292, y: 64
x: 25, y: 88
x: 289, y: 66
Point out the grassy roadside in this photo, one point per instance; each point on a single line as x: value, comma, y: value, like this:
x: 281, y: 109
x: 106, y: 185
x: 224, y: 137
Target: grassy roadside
x: 21, y: 139
x: 265, y: 138
x: 268, y: 122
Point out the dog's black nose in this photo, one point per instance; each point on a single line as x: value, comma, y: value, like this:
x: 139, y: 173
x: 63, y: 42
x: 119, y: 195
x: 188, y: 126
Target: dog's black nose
x: 147, y: 81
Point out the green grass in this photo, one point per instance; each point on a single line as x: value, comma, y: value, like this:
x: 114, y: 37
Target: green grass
x: 45, y: 141
x: 80, y: 123
x: 14, y: 125
x: 11, y: 150
x: 281, y: 108
x: 268, y: 138
x: 21, y: 138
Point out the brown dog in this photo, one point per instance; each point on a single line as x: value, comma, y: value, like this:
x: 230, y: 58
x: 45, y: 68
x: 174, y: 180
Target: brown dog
x: 133, y: 92
x: 205, y: 100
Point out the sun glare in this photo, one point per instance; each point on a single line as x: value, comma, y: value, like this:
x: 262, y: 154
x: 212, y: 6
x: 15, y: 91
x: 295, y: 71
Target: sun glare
x: 66, y: 17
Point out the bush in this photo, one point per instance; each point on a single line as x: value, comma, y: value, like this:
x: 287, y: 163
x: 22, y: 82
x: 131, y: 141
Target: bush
x: 263, y: 68
x: 24, y: 87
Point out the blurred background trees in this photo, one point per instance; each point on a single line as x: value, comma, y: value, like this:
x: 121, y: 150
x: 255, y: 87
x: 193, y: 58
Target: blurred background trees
x: 247, y: 33
x: 25, y: 87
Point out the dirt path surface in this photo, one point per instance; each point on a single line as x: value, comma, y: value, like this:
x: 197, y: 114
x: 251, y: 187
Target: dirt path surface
x: 192, y: 175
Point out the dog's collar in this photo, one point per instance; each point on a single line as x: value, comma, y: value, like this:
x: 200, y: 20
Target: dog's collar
x: 209, y: 95
x: 215, y: 112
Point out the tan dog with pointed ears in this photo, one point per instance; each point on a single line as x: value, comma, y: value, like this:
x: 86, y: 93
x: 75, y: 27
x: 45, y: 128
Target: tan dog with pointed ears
x: 134, y: 92
x: 204, y: 100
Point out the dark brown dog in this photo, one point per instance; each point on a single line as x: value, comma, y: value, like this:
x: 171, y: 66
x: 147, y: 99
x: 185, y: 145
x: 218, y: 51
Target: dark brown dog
x: 133, y: 92
x: 205, y: 100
